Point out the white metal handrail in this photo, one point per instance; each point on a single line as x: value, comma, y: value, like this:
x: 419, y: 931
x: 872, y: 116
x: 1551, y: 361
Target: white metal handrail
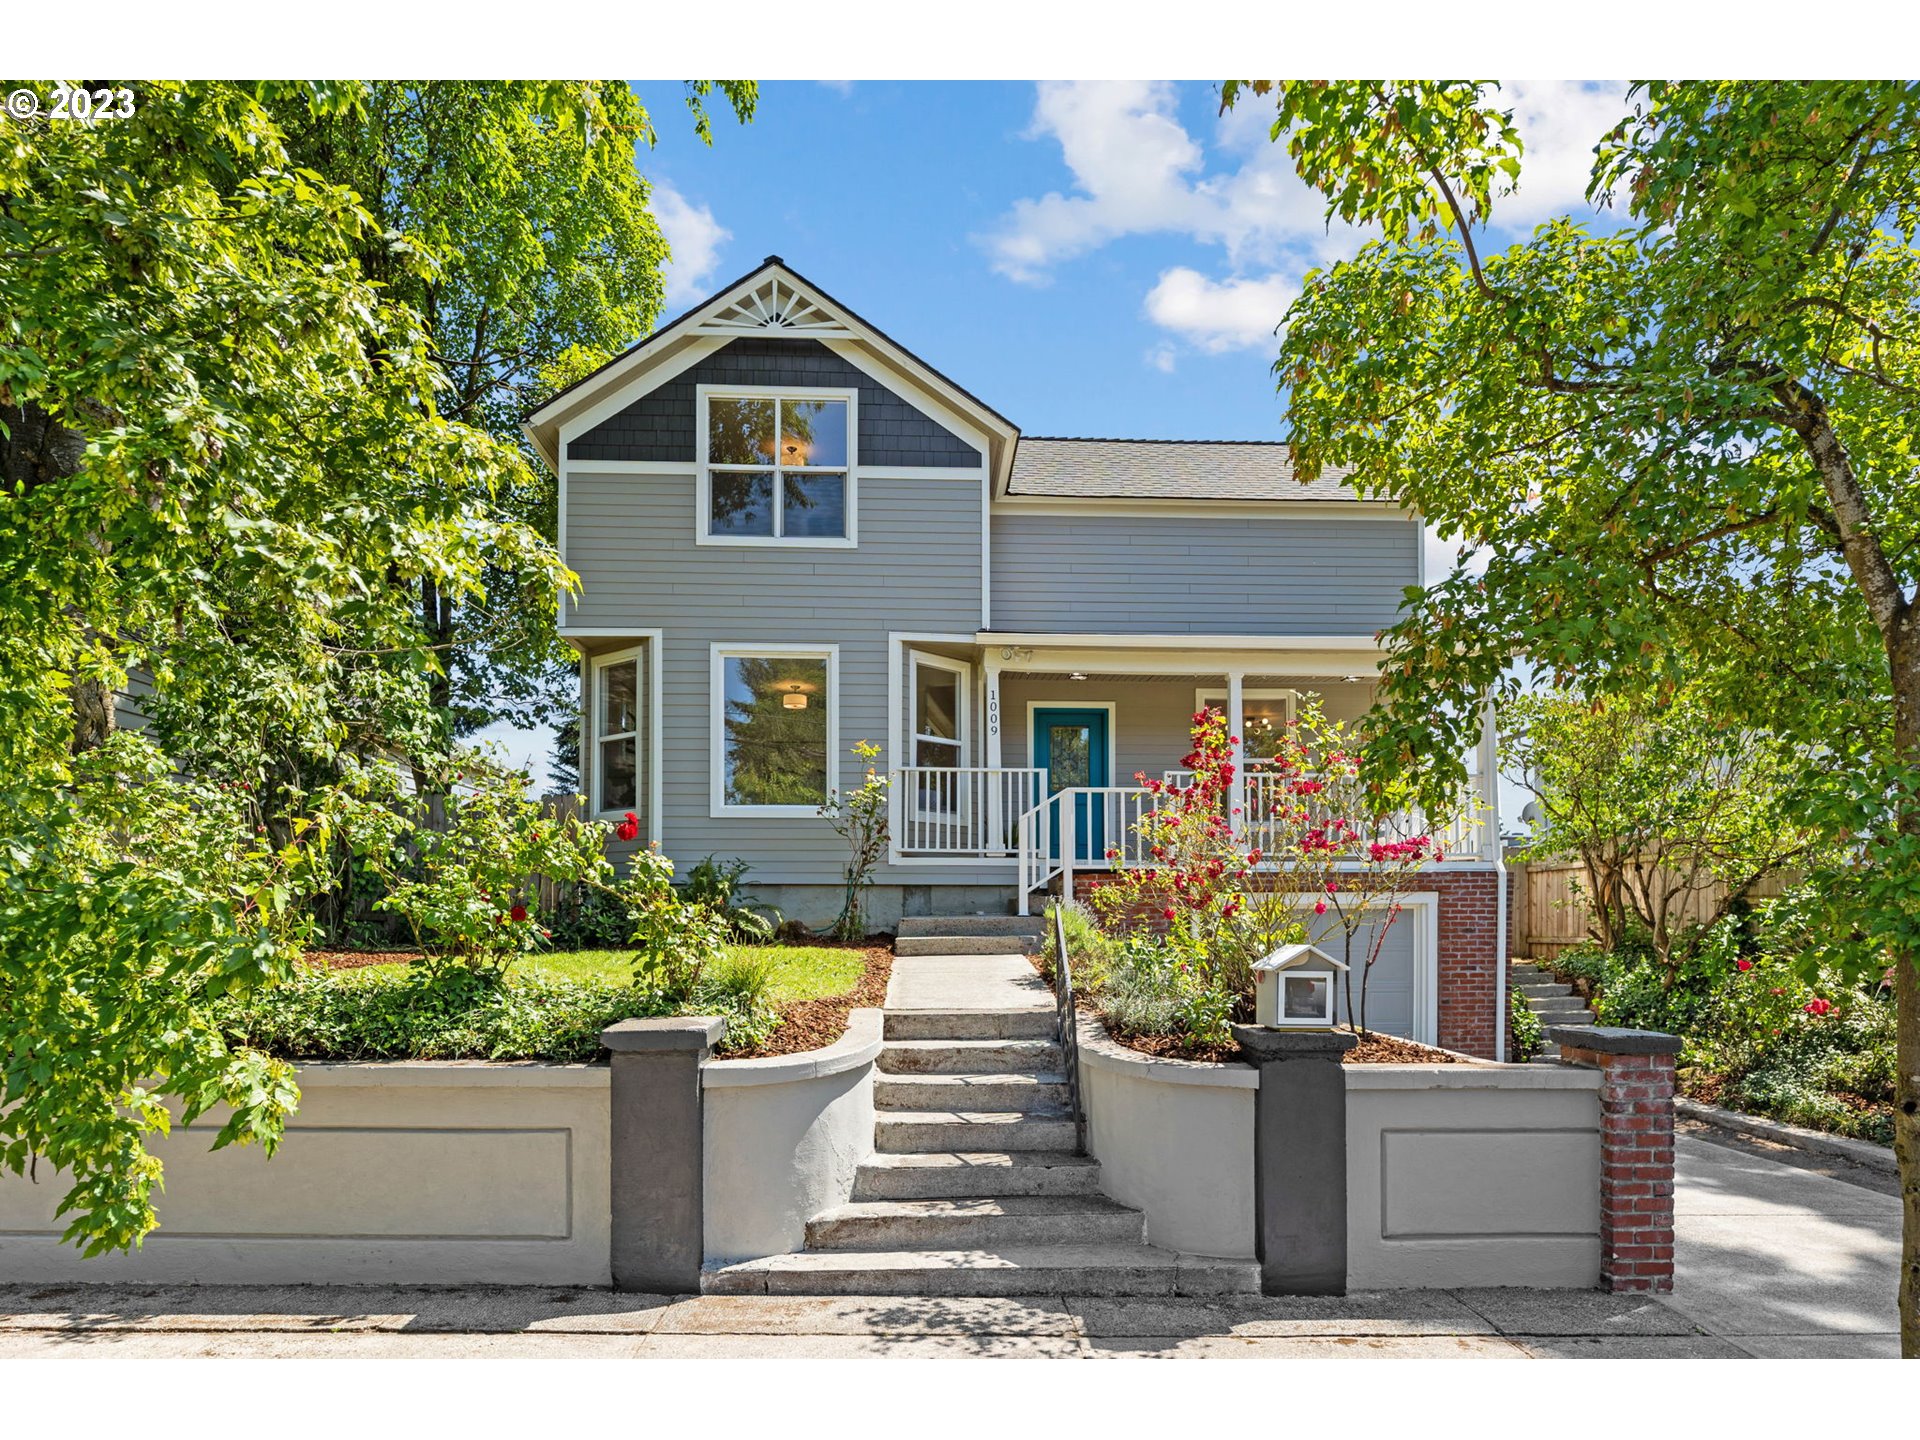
x: 963, y: 811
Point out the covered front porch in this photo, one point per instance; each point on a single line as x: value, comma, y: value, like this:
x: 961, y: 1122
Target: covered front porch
x: 1067, y: 724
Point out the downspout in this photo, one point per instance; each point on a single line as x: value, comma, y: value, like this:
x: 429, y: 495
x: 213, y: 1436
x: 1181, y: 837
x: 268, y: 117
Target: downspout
x: 1491, y: 779
x: 1500, y: 947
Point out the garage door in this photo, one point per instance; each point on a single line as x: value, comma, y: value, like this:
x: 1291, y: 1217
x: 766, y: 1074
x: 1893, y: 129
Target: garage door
x: 1393, y: 991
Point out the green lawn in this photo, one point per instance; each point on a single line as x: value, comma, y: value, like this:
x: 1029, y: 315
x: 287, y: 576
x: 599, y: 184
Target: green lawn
x: 800, y: 972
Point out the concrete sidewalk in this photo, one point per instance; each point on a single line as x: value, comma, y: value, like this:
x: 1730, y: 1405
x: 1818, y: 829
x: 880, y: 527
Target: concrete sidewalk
x: 376, y: 1322
x: 1777, y: 1256
x: 1782, y: 1253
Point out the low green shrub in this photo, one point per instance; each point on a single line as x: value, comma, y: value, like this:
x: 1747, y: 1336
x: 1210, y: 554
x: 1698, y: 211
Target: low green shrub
x: 1528, y: 1034
x: 416, y: 1012
x: 1090, y: 949
x: 1761, y: 1023
x: 716, y: 884
x: 1154, y: 987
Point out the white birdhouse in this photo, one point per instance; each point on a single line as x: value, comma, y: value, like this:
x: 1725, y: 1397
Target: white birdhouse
x: 1294, y: 987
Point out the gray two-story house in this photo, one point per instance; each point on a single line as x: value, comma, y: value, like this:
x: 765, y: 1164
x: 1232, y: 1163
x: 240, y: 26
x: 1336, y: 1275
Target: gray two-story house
x: 793, y: 534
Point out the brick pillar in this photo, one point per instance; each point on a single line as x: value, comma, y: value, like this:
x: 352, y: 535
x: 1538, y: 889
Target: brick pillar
x: 1636, y: 1149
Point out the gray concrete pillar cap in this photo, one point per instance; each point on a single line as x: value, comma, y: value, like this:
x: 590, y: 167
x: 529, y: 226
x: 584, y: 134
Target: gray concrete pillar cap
x: 1611, y: 1040
x: 1265, y: 1044
x: 673, y: 1032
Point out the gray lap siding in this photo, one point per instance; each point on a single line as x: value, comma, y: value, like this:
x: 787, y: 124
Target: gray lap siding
x: 1240, y: 574
x: 917, y: 568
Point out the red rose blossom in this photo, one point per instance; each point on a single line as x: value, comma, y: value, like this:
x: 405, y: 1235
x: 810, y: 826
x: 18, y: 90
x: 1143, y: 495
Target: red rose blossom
x: 519, y: 912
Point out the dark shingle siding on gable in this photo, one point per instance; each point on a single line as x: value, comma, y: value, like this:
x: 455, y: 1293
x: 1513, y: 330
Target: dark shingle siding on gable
x: 659, y: 425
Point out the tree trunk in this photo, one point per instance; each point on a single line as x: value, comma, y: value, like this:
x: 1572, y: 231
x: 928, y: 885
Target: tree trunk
x: 1904, y: 654
x: 1899, y: 625
x: 93, y: 715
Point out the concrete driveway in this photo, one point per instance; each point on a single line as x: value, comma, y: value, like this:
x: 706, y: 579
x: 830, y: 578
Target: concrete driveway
x: 1775, y: 1259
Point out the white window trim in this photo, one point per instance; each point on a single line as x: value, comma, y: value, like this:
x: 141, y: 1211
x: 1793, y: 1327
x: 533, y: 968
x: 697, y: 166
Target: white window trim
x: 960, y: 668
x: 703, y: 498
x: 718, y: 807
x: 650, y: 646
x: 1292, y: 697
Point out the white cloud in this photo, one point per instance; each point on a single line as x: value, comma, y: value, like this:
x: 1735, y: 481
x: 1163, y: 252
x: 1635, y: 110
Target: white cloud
x: 1219, y: 315
x: 1560, y: 121
x: 694, y: 237
x: 1137, y: 171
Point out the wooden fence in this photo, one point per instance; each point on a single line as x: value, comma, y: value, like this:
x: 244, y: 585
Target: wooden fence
x: 550, y: 897
x: 1554, y: 911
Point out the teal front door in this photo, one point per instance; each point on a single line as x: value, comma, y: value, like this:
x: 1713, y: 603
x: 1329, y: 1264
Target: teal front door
x: 1070, y: 745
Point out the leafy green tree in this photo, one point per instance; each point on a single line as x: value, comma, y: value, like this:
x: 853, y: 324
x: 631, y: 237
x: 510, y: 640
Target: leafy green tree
x: 1656, y: 803
x: 546, y: 262
x: 1683, y: 448
x: 223, y: 468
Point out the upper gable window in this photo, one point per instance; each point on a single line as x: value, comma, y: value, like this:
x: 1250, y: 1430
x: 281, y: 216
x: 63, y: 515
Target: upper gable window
x: 776, y: 466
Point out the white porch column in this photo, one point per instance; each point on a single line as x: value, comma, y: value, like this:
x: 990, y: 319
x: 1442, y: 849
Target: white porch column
x: 995, y: 782
x: 1237, y: 723
x: 1487, y: 786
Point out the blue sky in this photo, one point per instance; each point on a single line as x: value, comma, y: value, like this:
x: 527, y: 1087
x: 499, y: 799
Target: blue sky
x: 1099, y: 258
x: 1090, y: 259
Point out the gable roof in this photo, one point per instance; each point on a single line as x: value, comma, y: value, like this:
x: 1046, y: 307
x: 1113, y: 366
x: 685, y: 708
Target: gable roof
x: 1077, y: 468
x: 771, y: 299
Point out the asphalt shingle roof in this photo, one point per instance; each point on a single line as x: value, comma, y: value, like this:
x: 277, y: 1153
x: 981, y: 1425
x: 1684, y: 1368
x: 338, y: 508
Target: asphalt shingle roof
x: 1165, y: 470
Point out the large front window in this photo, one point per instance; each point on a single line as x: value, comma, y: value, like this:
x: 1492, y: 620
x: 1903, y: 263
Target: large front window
x: 777, y: 468
x: 774, y: 729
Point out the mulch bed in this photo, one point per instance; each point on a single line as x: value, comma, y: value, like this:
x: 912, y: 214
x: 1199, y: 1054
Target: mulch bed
x: 355, y: 959
x: 811, y: 1024
x: 1392, y: 1050
x: 1374, y: 1050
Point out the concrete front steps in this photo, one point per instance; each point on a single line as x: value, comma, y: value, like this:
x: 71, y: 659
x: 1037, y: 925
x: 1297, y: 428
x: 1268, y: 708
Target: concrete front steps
x: 974, y: 1187
x: 969, y: 935
x: 1550, y: 999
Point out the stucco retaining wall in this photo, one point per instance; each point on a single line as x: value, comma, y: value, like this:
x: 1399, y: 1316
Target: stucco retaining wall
x: 783, y: 1139
x: 1174, y: 1139
x: 1472, y: 1175
x: 405, y: 1173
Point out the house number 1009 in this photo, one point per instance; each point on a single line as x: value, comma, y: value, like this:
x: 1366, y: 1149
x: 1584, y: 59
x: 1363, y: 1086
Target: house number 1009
x: 993, y: 711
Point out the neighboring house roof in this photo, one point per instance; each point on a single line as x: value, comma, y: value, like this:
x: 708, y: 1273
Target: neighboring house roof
x: 1061, y: 467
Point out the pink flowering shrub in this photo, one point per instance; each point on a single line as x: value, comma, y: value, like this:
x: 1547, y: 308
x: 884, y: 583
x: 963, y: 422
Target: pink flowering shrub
x: 1344, y: 839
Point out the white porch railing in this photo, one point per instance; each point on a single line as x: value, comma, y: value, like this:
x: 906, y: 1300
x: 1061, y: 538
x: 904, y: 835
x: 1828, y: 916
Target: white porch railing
x: 987, y: 813
x: 966, y: 812
x: 1464, y: 837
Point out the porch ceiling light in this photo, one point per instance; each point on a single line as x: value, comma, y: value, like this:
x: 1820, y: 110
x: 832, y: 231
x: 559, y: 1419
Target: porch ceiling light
x: 794, y: 700
x: 1078, y: 675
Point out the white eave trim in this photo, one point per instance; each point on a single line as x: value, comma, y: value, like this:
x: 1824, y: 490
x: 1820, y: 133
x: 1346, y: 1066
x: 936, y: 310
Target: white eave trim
x: 1080, y: 505
x: 1088, y: 641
